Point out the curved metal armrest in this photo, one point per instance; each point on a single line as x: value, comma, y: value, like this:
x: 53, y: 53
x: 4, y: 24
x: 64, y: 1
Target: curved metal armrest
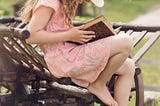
x: 15, y: 32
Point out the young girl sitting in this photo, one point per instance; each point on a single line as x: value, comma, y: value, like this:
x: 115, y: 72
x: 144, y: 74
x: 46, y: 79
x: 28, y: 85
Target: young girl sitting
x: 89, y: 65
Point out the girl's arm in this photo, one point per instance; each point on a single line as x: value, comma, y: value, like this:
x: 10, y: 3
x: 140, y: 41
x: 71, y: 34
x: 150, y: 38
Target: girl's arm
x: 38, y: 34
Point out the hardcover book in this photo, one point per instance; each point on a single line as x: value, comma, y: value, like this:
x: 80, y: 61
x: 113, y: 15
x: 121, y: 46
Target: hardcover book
x: 101, y: 26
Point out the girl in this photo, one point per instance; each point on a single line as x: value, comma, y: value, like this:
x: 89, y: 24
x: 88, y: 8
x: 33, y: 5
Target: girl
x: 89, y: 65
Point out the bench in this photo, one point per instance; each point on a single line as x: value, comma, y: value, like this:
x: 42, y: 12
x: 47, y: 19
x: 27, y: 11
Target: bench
x: 25, y: 79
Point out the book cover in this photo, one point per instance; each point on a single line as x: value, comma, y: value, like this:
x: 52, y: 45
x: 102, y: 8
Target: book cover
x: 101, y: 26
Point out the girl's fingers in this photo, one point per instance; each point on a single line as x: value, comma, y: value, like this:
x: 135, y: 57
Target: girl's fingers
x: 85, y: 40
x: 81, y: 42
x: 81, y: 27
x: 88, y: 36
x: 88, y: 32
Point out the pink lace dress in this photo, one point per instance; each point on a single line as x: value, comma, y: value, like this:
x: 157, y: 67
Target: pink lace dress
x: 82, y: 63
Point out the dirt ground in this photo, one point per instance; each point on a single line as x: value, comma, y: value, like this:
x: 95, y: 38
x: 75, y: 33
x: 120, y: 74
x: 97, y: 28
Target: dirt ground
x: 152, y: 17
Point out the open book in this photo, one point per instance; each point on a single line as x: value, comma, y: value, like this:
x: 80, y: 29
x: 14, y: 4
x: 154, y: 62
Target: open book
x: 101, y: 26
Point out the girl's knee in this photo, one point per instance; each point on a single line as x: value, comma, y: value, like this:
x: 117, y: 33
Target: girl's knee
x: 130, y: 67
x: 127, y: 69
x: 128, y: 42
x: 128, y: 39
x: 122, y: 44
x: 125, y: 43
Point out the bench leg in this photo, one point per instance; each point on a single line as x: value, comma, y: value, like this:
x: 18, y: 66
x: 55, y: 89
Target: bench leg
x: 139, y: 88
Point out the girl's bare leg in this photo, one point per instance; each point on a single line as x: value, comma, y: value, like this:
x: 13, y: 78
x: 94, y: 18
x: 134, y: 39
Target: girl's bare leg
x: 124, y: 82
x: 121, y: 48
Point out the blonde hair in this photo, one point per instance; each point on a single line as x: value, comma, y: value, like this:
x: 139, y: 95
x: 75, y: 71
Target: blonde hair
x: 26, y: 11
x: 69, y: 7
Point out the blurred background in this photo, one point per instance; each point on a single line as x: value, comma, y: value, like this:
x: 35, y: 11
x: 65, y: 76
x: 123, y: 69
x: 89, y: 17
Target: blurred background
x: 127, y: 11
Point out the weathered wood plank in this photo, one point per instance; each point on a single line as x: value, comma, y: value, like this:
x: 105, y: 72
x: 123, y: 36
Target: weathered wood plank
x: 9, y: 20
x: 146, y: 47
x: 126, y: 27
x: 6, y: 64
x: 14, y: 32
x: 139, y: 37
x: 70, y: 90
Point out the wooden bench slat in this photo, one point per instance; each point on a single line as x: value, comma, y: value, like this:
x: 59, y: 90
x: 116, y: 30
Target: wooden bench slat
x: 139, y: 37
x: 12, y: 52
x: 129, y: 32
x: 134, y: 27
x: 146, y: 46
x: 73, y: 90
x: 69, y: 90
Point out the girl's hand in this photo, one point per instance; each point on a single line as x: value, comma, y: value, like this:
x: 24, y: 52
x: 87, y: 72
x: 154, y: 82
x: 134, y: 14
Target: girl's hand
x: 77, y: 34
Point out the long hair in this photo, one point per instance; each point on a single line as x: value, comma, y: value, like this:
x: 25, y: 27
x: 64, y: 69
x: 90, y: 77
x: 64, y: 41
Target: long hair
x: 26, y: 11
x: 69, y: 7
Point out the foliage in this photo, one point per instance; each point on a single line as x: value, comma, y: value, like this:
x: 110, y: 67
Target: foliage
x: 4, y: 10
x: 158, y: 102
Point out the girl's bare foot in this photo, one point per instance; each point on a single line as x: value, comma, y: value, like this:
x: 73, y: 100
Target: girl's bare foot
x: 102, y: 93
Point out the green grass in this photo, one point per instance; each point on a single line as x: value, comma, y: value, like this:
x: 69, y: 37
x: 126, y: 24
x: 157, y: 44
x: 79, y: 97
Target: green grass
x: 153, y: 52
x: 158, y: 102
x: 121, y: 10
x: 6, y: 7
x: 114, y: 10
x: 150, y: 72
x: 127, y: 10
